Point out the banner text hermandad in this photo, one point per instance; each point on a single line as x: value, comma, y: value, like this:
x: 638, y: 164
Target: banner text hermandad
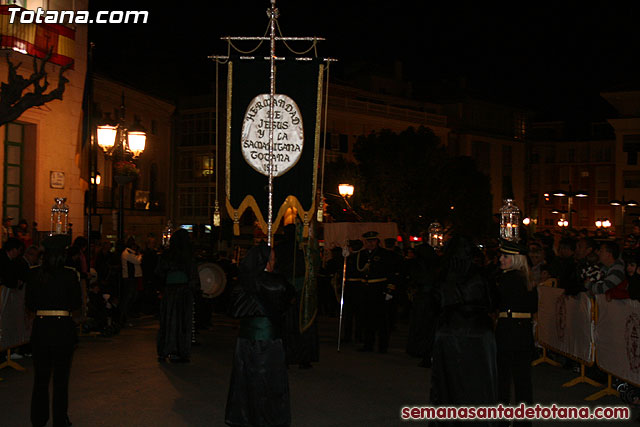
x: 298, y: 82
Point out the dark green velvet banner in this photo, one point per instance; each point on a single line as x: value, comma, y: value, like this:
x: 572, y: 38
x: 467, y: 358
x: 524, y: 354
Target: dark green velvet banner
x: 296, y: 136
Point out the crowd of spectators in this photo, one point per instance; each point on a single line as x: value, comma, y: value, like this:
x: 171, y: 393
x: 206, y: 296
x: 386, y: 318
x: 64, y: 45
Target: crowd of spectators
x: 584, y: 263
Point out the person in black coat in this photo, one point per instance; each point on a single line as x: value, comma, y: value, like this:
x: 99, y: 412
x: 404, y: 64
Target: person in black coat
x: 53, y: 292
x: 178, y: 272
x: 9, y: 267
x: 464, y: 352
x: 259, y: 387
x: 516, y: 300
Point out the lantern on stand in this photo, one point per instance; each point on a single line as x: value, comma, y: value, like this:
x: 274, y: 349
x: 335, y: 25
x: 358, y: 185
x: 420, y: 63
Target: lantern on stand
x: 59, y: 217
x: 435, y: 235
x: 510, y: 221
x: 166, y: 234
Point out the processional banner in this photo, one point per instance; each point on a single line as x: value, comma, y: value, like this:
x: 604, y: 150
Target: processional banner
x: 565, y: 323
x: 296, y: 136
x: 617, y: 338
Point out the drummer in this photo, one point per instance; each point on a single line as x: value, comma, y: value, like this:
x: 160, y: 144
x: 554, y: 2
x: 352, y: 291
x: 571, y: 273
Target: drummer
x: 212, y: 284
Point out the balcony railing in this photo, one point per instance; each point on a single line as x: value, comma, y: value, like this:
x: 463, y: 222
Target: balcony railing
x: 389, y: 111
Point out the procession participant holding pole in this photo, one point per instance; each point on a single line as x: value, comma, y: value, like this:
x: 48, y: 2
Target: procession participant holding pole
x: 53, y: 293
x: 353, y: 295
x: 259, y: 388
x: 373, y: 263
x: 301, y: 345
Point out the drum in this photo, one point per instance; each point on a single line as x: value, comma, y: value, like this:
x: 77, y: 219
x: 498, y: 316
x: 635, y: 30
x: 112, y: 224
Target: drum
x: 212, y: 279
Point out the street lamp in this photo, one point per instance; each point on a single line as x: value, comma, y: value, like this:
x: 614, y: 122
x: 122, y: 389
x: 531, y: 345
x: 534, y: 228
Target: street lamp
x: 122, y: 143
x: 97, y: 179
x: 345, y: 190
x: 623, y: 203
x: 570, y: 195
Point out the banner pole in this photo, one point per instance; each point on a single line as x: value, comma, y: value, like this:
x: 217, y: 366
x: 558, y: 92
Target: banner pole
x: 273, y: 12
x: 344, y: 271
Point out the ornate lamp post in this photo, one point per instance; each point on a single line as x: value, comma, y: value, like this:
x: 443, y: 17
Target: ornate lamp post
x: 59, y: 217
x: 122, y: 143
x: 436, y: 235
x: 510, y: 221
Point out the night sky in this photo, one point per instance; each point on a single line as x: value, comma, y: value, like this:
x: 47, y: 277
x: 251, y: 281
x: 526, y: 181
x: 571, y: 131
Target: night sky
x: 553, y: 59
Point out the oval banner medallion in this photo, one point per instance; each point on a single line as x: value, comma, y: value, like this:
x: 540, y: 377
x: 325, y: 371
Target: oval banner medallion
x: 288, y: 136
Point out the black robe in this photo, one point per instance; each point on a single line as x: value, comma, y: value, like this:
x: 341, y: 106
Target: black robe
x: 464, y: 371
x: 259, y: 386
x: 176, y: 309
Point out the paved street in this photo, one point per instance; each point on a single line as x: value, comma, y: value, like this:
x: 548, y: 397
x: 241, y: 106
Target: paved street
x: 118, y: 382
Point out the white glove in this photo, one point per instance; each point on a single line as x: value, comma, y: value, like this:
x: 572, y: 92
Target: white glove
x: 388, y: 297
x: 345, y: 251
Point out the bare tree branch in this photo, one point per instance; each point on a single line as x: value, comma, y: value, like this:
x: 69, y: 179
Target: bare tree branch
x: 13, y: 100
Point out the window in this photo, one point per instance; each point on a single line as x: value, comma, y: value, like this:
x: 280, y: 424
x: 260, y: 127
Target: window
x: 193, y: 166
x: 584, y: 153
x: 603, y: 175
x: 13, y: 153
x: 563, y: 175
x: 631, y: 179
x: 195, y: 201
x: 197, y: 129
x: 602, y: 197
x: 631, y: 146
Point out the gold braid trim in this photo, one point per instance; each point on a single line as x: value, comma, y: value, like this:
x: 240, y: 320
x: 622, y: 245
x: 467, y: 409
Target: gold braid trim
x: 228, y: 156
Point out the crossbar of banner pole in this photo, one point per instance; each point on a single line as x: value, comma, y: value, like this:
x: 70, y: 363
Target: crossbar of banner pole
x: 267, y: 58
x: 277, y: 38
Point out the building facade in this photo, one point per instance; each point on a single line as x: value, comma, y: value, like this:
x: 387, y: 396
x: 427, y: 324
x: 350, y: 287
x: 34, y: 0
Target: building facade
x: 146, y: 204
x: 41, y: 155
x: 625, y: 153
x: 571, y: 167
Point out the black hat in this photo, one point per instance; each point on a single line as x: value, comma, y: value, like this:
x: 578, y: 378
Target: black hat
x: 7, y: 218
x: 512, y: 248
x: 356, y: 245
x: 371, y: 235
x: 57, y: 242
